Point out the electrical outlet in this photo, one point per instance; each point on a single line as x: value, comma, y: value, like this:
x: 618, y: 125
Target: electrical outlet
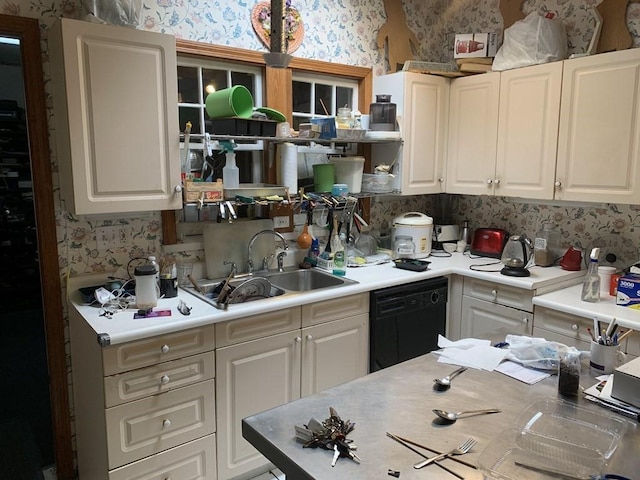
x: 123, y: 235
x: 105, y: 237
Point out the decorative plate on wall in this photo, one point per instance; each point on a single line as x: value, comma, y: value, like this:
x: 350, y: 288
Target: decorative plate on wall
x: 261, y: 21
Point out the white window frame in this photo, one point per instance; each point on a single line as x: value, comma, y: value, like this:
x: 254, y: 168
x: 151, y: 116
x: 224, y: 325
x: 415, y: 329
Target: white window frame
x: 333, y: 81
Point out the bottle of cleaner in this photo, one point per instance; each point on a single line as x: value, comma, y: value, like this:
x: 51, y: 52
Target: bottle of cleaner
x: 230, y: 172
x: 591, y: 282
x: 152, y: 261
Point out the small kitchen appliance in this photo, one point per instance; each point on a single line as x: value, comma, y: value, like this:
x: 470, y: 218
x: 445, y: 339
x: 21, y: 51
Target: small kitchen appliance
x: 417, y: 226
x: 489, y: 242
x: 445, y: 234
x: 516, y: 255
x: 571, y: 260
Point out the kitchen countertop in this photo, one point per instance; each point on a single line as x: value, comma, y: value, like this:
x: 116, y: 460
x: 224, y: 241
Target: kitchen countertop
x: 123, y: 328
x: 567, y: 300
x: 399, y: 400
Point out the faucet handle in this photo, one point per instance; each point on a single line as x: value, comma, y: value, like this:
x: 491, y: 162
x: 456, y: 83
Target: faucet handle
x: 281, y: 256
x: 266, y: 261
x: 234, y: 267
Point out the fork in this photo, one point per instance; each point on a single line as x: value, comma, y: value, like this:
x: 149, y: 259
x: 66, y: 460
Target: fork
x: 461, y: 450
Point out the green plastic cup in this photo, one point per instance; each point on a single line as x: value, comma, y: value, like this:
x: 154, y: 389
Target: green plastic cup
x: 230, y: 102
x: 324, y: 177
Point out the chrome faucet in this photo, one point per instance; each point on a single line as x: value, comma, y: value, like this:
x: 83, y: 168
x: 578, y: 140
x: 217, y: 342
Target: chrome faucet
x: 285, y: 246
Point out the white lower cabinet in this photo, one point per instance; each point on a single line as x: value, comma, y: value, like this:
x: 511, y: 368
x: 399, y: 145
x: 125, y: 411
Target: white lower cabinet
x: 491, y: 310
x: 562, y: 327
x: 267, y: 360
x: 145, y: 408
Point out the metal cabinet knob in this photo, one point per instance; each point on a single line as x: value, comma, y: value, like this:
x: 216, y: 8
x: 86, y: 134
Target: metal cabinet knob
x: 525, y: 320
x: 489, y: 181
x: 497, y: 181
x: 166, y: 423
x: 494, y: 293
x: 164, y: 379
x: 309, y: 338
x: 441, y: 179
x: 177, y: 189
x: 575, y: 327
x: 298, y: 339
x: 557, y: 184
x: 165, y: 349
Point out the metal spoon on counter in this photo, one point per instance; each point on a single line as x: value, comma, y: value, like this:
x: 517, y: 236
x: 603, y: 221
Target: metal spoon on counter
x: 445, y: 382
x: 452, y: 417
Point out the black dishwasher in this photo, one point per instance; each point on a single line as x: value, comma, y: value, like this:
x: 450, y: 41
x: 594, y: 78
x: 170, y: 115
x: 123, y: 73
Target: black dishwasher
x: 405, y: 321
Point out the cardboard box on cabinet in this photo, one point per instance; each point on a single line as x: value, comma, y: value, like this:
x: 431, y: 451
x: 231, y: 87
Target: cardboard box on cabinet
x: 468, y: 45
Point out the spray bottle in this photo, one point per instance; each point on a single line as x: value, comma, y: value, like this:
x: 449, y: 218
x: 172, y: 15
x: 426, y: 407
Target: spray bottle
x: 230, y: 172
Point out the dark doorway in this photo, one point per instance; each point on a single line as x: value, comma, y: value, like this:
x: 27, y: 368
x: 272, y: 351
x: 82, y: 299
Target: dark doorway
x: 34, y: 415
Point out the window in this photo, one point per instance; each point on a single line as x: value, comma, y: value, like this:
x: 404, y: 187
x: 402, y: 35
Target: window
x: 196, y: 79
x: 321, y: 95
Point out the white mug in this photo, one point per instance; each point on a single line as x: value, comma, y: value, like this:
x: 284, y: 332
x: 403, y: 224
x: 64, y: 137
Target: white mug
x: 605, y: 358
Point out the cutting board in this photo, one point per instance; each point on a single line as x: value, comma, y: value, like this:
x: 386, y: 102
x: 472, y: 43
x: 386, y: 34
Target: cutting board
x: 230, y: 241
x: 615, y: 34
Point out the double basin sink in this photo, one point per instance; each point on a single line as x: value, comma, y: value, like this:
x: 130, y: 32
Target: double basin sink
x: 263, y: 285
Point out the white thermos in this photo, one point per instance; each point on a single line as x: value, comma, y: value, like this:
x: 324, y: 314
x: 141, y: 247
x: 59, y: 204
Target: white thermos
x: 147, y: 291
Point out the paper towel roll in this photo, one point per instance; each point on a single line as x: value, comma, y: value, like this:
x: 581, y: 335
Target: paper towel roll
x: 287, y: 166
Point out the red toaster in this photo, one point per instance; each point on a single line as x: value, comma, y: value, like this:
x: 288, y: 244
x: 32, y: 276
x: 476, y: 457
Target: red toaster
x: 489, y: 242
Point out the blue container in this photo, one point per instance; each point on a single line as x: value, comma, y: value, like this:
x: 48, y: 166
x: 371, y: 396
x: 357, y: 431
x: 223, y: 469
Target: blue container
x: 327, y: 127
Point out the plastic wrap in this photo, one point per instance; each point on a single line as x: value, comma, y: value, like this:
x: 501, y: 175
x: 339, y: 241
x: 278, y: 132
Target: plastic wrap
x: 116, y: 12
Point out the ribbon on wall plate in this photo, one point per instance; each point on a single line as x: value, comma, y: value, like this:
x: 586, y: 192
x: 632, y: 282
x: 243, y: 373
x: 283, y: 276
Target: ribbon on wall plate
x: 261, y: 21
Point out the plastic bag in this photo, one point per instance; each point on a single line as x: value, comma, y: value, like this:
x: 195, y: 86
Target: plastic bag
x: 126, y: 13
x: 531, y: 41
x: 537, y: 352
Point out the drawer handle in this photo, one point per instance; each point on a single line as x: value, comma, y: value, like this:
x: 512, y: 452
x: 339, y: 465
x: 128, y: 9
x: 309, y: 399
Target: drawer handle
x: 525, y: 320
x: 575, y: 327
x: 309, y: 338
x: 298, y: 339
x: 164, y: 379
x: 494, y: 292
x: 166, y: 423
x: 164, y: 349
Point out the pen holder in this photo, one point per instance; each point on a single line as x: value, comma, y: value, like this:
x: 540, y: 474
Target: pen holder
x: 605, y: 358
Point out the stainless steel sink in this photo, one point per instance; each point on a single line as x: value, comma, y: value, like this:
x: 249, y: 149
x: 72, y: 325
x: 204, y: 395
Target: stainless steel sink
x: 282, y: 283
x: 306, y: 280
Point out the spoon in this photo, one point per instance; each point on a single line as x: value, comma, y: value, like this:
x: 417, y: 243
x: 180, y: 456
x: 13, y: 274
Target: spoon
x: 445, y: 382
x: 452, y: 417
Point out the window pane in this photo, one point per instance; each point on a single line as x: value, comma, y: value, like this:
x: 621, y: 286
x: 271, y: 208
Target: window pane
x: 244, y: 79
x: 302, y: 97
x: 344, y: 97
x: 213, y: 80
x: 323, y: 95
x: 191, y: 114
x: 188, y: 85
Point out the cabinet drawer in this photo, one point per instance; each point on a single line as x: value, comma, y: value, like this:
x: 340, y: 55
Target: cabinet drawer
x: 257, y: 326
x: 571, y: 326
x: 149, y: 351
x: 334, y: 309
x: 493, y: 322
x: 633, y: 345
x: 138, y: 429
x: 564, y: 339
x: 136, y: 384
x: 192, y: 461
x: 503, y: 294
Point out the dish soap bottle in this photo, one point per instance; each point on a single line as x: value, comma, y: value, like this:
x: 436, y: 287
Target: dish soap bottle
x: 591, y: 282
x: 230, y: 172
x: 339, y: 254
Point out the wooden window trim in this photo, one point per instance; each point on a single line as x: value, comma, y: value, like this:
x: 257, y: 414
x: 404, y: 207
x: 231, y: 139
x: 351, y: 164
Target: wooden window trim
x: 277, y: 94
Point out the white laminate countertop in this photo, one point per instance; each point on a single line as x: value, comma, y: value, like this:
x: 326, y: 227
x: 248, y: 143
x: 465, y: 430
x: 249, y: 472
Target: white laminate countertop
x: 122, y: 327
x: 568, y: 300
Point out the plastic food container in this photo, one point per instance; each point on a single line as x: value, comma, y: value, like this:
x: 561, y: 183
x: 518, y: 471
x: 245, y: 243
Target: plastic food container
x: 552, y: 438
x: 377, y: 183
x: 349, y: 171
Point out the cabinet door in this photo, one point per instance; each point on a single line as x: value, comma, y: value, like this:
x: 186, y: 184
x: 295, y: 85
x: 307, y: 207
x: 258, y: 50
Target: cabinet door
x: 528, y: 131
x: 334, y: 353
x: 422, y: 109
x: 473, y: 130
x: 482, y: 319
x: 599, y: 134
x: 116, y: 111
x: 252, y: 377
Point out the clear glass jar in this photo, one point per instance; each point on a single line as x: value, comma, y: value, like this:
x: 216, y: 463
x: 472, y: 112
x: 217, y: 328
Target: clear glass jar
x: 546, y: 247
x: 403, y: 247
x: 344, y: 119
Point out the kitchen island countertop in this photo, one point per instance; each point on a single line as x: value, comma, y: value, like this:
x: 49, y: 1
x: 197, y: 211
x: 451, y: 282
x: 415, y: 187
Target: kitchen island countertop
x: 123, y: 328
x: 399, y: 400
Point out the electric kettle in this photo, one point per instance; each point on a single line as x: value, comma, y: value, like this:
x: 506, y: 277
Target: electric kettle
x: 516, y: 256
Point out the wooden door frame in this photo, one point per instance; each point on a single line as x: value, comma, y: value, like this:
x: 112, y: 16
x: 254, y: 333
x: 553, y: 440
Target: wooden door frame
x: 277, y: 94
x: 28, y: 31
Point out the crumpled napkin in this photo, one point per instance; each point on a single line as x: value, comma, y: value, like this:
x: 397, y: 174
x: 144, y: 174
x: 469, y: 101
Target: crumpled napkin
x: 470, y: 352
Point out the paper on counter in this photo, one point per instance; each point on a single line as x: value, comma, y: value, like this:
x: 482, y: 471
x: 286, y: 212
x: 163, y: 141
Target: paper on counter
x: 470, y: 352
x: 519, y: 372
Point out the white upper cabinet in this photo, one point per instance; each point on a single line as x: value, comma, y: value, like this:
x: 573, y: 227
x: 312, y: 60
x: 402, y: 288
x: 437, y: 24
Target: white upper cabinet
x: 422, y: 109
x: 473, y: 127
x: 528, y: 131
x: 116, y: 111
x: 599, y: 133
